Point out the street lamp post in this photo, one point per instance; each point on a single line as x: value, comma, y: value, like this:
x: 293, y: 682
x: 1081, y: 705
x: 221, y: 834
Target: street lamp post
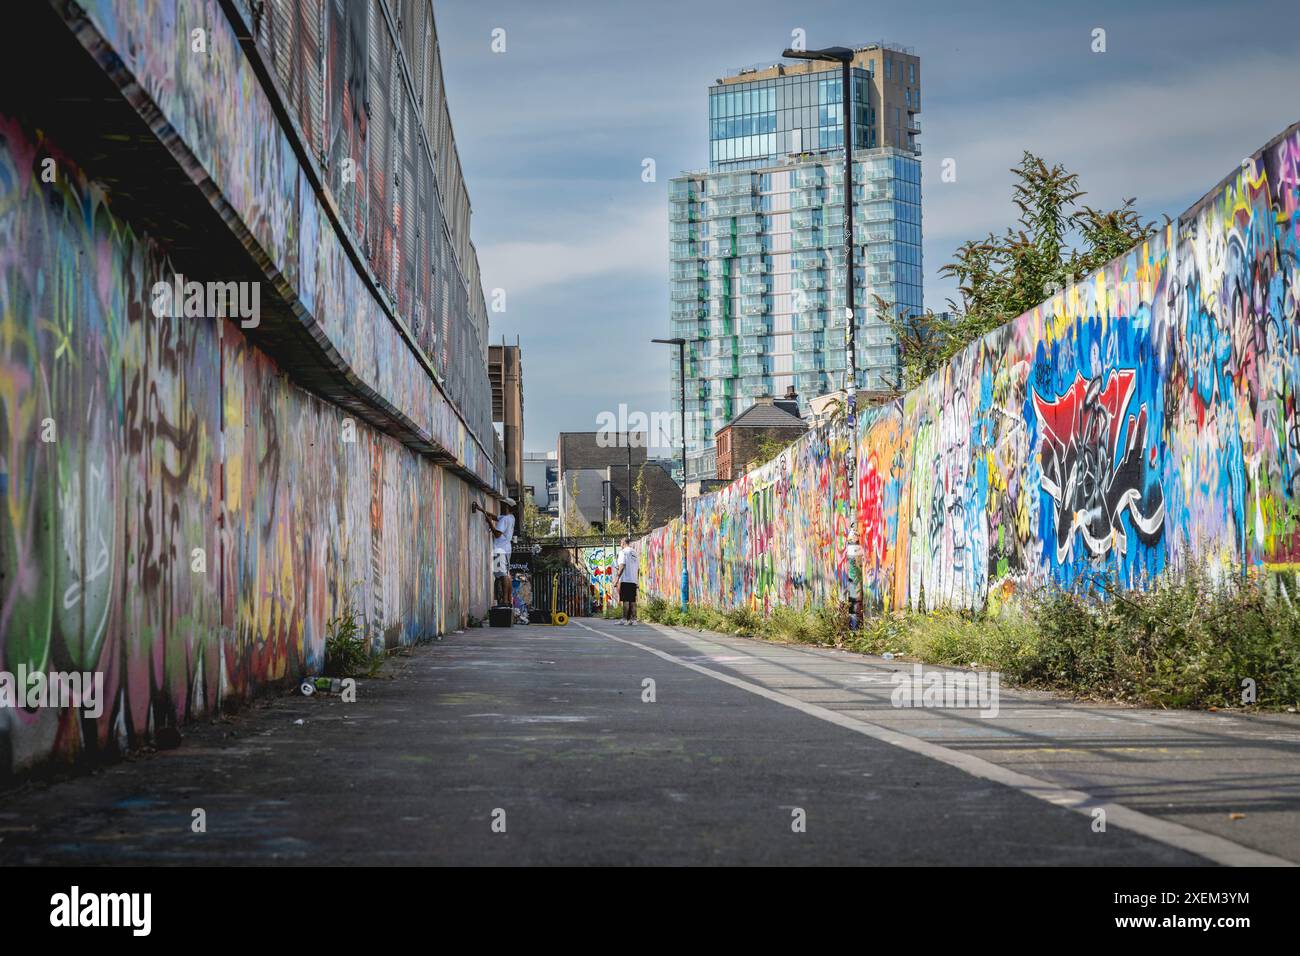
x: 686, y: 537
x: 844, y: 57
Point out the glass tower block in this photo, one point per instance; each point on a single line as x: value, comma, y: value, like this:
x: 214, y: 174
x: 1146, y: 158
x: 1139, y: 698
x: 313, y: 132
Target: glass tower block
x: 757, y: 260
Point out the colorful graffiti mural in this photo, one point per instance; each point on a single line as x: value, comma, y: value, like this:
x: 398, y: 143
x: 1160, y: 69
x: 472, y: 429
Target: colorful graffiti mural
x: 174, y: 512
x: 219, y: 110
x: 1135, y: 423
x: 598, y: 565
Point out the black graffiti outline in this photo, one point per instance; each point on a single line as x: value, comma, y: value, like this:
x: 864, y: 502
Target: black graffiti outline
x: 1081, y: 475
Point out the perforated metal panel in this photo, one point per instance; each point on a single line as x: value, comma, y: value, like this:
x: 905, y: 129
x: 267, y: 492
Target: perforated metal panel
x: 339, y: 67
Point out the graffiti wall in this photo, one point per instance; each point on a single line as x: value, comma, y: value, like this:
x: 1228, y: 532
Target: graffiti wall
x: 224, y: 121
x: 598, y: 564
x: 174, y: 513
x: 1135, y: 423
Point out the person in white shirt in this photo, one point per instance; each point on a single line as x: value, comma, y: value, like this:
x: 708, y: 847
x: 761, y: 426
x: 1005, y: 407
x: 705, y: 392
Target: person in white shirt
x: 502, y: 527
x: 626, y: 577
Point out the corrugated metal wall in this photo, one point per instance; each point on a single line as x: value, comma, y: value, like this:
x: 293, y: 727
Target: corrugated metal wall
x: 364, y: 80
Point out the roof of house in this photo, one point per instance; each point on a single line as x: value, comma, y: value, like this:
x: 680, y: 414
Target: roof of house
x: 765, y: 415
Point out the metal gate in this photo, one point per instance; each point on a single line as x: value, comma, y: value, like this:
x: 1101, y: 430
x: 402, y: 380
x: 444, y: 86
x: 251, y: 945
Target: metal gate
x: 567, y: 590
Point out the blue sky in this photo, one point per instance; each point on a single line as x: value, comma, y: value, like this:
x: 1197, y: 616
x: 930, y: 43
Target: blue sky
x: 552, y: 134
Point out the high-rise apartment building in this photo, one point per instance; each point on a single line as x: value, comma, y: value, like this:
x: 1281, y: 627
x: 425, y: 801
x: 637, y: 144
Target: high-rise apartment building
x: 759, y: 116
x: 756, y: 247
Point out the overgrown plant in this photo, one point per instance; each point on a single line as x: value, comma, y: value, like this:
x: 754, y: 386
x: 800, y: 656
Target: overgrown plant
x: 1193, y: 642
x: 347, y: 650
x: 766, y: 448
x: 538, y: 525
x: 1055, y: 242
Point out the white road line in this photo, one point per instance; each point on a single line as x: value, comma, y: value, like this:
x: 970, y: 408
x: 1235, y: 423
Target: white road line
x: 1207, y: 845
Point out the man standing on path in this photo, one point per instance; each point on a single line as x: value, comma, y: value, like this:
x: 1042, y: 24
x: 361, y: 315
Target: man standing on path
x: 626, y: 577
x: 503, y: 532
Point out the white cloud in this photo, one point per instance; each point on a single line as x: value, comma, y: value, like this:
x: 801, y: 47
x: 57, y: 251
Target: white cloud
x: 621, y: 240
x: 1160, y: 140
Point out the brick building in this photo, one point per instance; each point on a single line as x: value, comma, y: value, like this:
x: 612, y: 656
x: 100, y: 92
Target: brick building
x: 739, y: 441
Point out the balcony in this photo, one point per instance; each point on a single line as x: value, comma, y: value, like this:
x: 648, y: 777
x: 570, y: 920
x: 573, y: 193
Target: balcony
x: 754, y: 305
x: 722, y: 247
x: 685, y: 230
x: 808, y: 342
x: 731, y: 206
x: 693, y: 375
x: 686, y: 328
x: 680, y: 189
x: 678, y: 251
x: 810, y: 383
x: 719, y: 307
x: 750, y: 246
x: 754, y: 325
x: 755, y: 285
x: 874, y: 232
x: 809, y: 280
x: 692, y: 311
x: 749, y: 225
x: 713, y: 349
x: 810, y: 176
x: 753, y: 265
x: 724, y: 367
x: 686, y: 291
x: 718, y: 268
x: 688, y: 270
x: 807, y: 362
x: 806, y: 199
x: 722, y: 413
x: 733, y: 184
x: 806, y: 239
x: 683, y: 212
x: 806, y: 219
x: 810, y: 321
x: 753, y: 345
x: 754, y: 385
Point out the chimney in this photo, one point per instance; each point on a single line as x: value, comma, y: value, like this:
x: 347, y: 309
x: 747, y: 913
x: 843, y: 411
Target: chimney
x: 790, y: 403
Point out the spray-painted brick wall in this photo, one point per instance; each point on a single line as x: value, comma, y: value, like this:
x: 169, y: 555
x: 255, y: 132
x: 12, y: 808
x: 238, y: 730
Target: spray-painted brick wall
x: 1138, y: 422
